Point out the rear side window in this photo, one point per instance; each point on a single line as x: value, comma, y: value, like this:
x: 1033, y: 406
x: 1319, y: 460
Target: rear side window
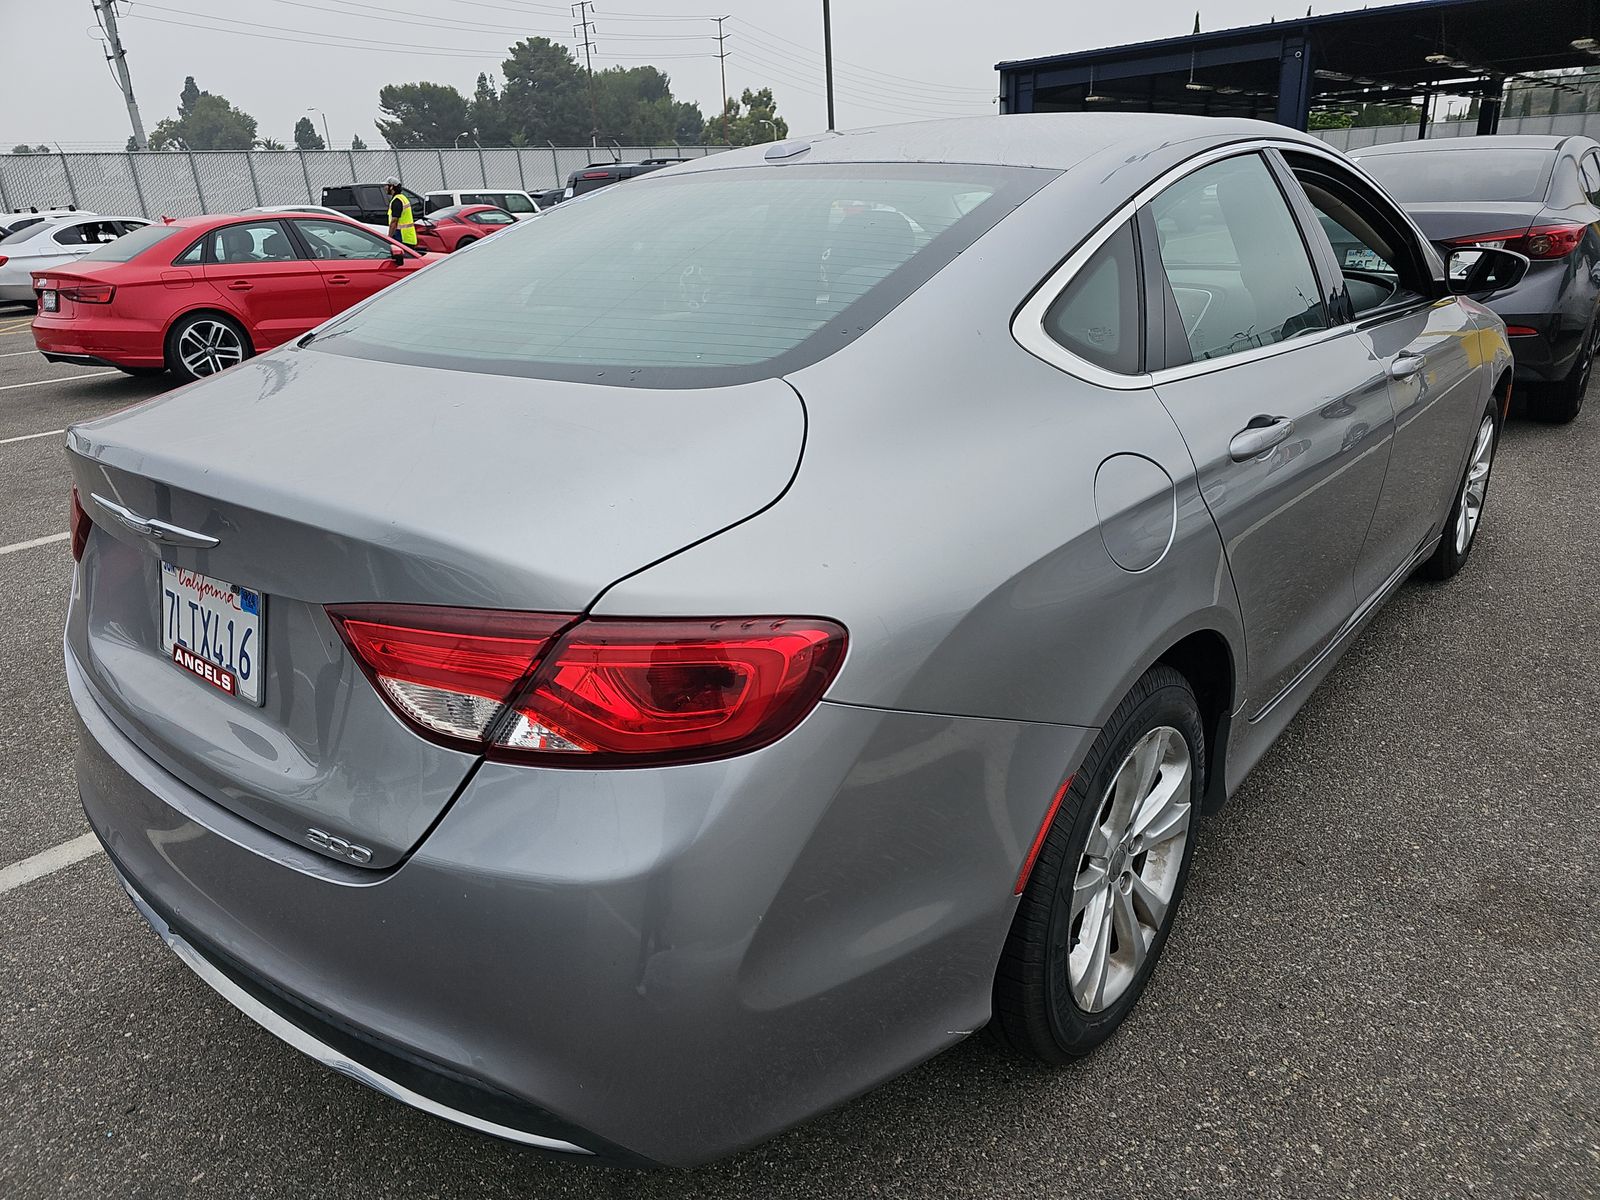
x: 516, y: 202
x: 130, y: 245
x: 1233, y: 253
x: 706, y: 278
x: 1097, y: 316
x: 258, y: 242
x: 1477, y: 174
x: 1590, y: 166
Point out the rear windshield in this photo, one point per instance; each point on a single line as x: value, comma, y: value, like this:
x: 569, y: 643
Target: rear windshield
x: 694, y: 280
x: 129, y: 245
x: 1425, y: 176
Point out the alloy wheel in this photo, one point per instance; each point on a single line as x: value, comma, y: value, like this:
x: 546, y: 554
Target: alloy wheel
x: 1475, y: 486
x: 1129, y: 871
x: 207, y: 347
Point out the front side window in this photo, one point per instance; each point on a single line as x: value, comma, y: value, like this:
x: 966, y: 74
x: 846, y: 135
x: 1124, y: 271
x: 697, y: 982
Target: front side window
x: 1097, y: 316
x: 335, y: 239
x: 1374, y: 251
x: 263, y: 241
x: 1235, y: 259
x: 707, y: 278
x: 492, y: 217
x: 516, y: 202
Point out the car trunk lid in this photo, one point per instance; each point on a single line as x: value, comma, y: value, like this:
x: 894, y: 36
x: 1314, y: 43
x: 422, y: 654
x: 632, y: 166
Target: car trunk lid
x: 1448, y: 220
x: 327, y: 480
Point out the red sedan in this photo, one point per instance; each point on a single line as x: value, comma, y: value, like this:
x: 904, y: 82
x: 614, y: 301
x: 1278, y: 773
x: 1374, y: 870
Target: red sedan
x: 447, y: 229
x: 197, y: 295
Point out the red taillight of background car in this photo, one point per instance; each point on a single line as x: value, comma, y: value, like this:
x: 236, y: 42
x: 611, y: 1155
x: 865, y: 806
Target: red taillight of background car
x: 1539, y: 242
x: 595, y: 175
x: 89, y: 293
x: 80, y: 527
x: 545, y: 688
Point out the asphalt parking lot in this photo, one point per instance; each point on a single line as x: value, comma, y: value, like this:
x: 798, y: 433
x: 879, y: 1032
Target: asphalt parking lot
x: 1383, y: 982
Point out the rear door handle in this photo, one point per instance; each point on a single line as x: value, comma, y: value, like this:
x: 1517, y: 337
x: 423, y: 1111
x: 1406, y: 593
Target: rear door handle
x: 1405, y: 364
x: 1261, y: 435
x: 240, y: 285
x: 338, y: 279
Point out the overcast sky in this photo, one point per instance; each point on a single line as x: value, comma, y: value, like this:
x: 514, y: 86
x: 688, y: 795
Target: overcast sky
x: 895, y: 60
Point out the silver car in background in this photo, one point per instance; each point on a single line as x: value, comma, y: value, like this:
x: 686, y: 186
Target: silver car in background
x: 633, y: 690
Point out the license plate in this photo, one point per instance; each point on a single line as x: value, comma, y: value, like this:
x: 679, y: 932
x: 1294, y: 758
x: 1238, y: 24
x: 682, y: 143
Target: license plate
x: 212, y: 629
x: 49, y: 301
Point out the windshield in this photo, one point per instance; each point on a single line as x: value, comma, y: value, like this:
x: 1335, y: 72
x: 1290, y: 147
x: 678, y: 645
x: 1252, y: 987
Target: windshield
x: 516, y: 202
x: 694, y: 280
x: 1473, y: 175
x: 130, y: 244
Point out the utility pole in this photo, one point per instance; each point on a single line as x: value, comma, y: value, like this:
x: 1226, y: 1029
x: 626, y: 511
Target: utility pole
x: 584, y: 30
x: 827, y: 58
x: 722, y: 62
x: 105, y: 11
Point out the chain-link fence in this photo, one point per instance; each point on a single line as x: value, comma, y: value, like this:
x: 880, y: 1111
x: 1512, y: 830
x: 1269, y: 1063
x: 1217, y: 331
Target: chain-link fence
x: 182, y: 183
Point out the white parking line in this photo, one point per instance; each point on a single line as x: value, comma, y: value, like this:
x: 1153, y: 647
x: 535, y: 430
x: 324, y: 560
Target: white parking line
x: 64, y: 379
x: 17, y: 353
x: 28, y: 437
x: 29, y: 545
x: 48, y: 862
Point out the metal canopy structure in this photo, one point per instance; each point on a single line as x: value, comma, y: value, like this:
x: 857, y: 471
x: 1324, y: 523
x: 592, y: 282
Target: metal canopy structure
x: 1402, y: 54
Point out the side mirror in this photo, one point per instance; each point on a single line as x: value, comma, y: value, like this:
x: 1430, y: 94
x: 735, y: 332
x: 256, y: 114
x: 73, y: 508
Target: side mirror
x: 1480, y: 271
x: 396, y: 255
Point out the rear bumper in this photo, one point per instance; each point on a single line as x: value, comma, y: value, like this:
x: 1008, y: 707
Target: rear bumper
x: 656, y: 966
x: 99, y: 341
x: 1558, y: 305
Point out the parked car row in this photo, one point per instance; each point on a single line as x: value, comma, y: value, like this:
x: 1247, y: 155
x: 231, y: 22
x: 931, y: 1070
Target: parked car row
x: 909, y: 540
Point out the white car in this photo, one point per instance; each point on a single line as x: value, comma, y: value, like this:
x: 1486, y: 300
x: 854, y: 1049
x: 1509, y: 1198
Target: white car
x: 54, y: 242
x: 519, y: 204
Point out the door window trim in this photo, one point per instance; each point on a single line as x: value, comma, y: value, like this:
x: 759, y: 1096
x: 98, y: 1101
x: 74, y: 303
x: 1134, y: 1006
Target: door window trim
x: 1027, y: 326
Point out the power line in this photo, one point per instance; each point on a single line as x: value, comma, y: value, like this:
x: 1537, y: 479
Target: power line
x: 853, y: 68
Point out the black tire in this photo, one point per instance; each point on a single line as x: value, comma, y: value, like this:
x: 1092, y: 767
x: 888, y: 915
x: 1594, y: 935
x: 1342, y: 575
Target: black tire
x: 466, y: 241
x: 179, y: 356
x: 1452, y: 553
x: 1035, y: 1009
x: 1560, y: 403
x: 143, y: 372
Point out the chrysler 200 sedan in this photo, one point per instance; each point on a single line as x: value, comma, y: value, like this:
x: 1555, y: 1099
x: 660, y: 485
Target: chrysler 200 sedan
x: 634, y: 690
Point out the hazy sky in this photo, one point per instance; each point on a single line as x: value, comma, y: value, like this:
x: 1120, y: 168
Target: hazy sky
x: 895, y: 60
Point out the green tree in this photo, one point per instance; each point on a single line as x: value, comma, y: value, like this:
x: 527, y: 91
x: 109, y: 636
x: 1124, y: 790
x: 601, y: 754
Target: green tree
x: 204, y: 122
x: 1332, y: 118
x: 306, y: 136
x: 356, y: 143
x: 269, y: 144
x: 636, y: 107
x: 1370, y: 115
x: 421, y: 114
x: 545, y: 97
x: 757, y: 122
x: 484, y: 115
x: 24, y: 148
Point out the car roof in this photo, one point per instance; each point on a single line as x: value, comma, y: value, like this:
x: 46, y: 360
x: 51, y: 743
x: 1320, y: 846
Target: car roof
x: 1051, y: 140
x: 1489, y: 141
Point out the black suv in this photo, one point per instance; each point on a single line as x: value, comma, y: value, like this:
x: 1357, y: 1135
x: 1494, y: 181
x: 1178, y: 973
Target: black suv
x: 599, y: 175
x: 365, y: 202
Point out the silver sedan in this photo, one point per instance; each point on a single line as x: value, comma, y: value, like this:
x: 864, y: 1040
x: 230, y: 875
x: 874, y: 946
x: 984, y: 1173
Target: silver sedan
x: 631, y: 689
x: 55, y: 241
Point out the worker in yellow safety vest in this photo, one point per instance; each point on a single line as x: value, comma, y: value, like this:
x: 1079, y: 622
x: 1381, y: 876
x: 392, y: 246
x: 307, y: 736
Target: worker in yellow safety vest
x: 402, y: 224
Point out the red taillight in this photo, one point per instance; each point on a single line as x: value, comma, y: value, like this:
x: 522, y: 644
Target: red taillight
x: 448, y: 671
x: 80, y: 527
x: 3, y: 260
x: 595, y: 175
x: 89, y: 293
x: 1540, y: 241
x: 606, y: 692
